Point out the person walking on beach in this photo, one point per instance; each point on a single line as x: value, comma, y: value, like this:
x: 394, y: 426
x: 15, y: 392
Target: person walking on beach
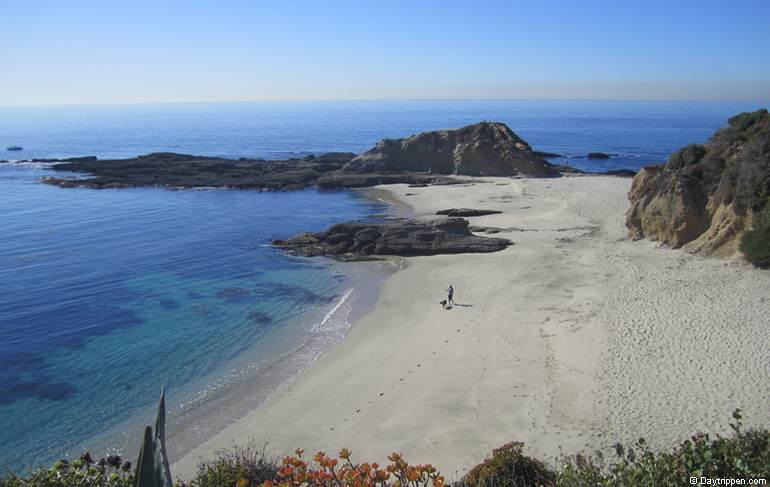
x: 450, y: 294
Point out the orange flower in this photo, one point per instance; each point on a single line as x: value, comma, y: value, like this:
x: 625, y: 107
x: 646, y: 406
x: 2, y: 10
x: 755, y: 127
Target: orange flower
x: 345, y: 454
x: 413, y: 474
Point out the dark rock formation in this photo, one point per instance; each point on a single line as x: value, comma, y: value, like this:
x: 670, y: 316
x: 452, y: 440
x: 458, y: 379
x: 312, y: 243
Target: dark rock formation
x: 187, y: 171
x: 483, y: 149
x: 597, y: 155
x: 621, y: 173
x: 542, y: 154
x: 705, y: 195
x: 467, y: 212
x: 360, y: 241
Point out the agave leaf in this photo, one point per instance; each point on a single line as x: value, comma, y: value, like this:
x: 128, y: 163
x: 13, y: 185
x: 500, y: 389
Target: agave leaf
x: 160, y: 442
x: 146, y: 470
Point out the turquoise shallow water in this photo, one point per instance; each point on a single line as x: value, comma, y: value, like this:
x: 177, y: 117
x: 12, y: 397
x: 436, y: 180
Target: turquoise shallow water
x: 109, y: 295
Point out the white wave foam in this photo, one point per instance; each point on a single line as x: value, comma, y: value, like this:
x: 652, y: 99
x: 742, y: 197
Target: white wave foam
x: 331, y: 312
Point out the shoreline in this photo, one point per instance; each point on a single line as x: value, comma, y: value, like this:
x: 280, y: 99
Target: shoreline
x: 555, y: 345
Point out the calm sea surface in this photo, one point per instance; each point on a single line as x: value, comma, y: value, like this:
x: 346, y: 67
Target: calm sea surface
x: 107, y: 296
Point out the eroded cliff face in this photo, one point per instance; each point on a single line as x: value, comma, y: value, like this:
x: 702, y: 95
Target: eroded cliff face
x: 482, y: 149
x: 705, y: 195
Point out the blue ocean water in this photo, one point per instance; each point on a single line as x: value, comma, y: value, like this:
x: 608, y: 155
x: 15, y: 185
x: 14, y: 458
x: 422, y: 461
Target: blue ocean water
x: 109, y: 295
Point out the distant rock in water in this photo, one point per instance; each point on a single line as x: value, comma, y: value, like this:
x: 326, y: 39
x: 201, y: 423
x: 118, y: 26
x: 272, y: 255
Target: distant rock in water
x: 362, y: 241
x: 482, y: 149
x: 597, y: 155
x: 706, y: 195
x: 467, y: 212
x: 189, y: 171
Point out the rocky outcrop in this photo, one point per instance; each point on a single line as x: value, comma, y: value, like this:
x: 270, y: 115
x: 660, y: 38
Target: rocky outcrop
x: 705, y: 195
x: 467, y: 212
x: 597, y: 155
x: 188, y: 171
x: 361, y: 241
x: 483, y: 149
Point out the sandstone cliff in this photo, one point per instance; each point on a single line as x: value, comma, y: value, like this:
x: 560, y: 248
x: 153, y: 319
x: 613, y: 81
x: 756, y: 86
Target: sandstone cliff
x: 705, y: 195
x: 482, y: 149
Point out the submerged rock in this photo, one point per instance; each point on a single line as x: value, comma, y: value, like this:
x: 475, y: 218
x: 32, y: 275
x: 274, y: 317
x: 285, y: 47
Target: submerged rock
x: 705, y: 195
x: 356, y: 241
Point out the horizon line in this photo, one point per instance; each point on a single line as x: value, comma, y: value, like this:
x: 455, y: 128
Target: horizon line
x: 379, y: 100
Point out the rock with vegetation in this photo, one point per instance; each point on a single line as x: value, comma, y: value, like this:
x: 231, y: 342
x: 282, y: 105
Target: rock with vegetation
x: 705, y: 196
x: 361, y: 241
x: 482, y: 149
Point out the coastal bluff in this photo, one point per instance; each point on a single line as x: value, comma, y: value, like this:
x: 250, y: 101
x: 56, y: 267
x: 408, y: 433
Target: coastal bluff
x: 705, y: 196
x: 482, y: 149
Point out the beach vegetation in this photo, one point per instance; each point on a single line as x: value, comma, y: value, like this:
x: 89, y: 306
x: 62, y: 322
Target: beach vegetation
x: 246, y: 466
x: 328, y: 471
x: 509, y: 467
x: 755, y: 242
x: 745, y: 454
x: 111, y: 471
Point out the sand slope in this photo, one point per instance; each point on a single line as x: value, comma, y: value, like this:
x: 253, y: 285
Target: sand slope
x: 574, y: 338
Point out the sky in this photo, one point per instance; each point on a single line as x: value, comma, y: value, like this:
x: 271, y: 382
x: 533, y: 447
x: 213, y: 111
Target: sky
x: 137, y: 51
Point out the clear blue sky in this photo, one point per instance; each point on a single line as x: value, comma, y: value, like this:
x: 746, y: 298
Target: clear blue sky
x: 165, y: 51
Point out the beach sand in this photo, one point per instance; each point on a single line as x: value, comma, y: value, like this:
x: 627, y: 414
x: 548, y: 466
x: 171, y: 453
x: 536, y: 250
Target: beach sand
x: 570, y: 340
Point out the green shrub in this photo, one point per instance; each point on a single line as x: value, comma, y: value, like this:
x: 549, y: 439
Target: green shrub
x: 508, y: 467
x: 237, y: 467
x: 741, y: 126
x: 755, y: 243
x: 691, y: 154
x: 745, y: 455
x: 106, y: 472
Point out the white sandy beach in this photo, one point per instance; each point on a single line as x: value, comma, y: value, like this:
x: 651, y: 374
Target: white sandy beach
x: 572, y: 338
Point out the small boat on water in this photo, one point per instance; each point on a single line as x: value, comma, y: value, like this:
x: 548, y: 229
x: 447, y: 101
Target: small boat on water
x: 13, y: 147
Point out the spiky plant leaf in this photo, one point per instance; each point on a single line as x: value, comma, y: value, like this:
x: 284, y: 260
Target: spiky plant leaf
x: 146, y: 469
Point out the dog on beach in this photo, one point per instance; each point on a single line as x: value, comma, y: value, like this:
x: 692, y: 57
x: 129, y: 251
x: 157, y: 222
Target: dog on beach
x: 442, y: 303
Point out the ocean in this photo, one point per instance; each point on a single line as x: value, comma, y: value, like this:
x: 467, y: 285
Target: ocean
x: 110, y: 295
